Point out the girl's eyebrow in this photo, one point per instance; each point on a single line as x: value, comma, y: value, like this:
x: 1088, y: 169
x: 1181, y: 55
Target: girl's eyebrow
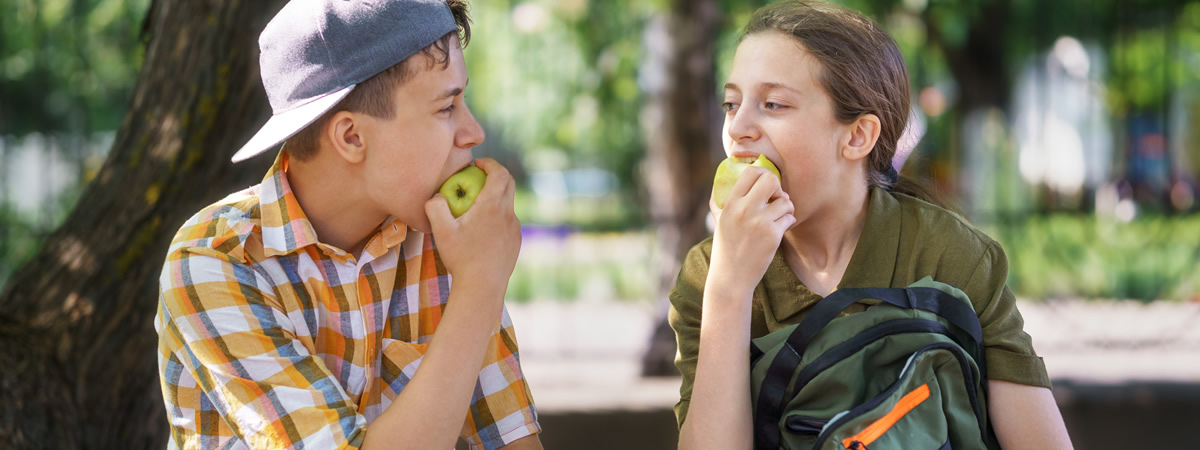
x: 766, y: 86
x: 773, y: 86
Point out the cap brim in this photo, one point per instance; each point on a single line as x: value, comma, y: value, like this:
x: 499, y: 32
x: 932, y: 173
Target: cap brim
x: 286, y: 124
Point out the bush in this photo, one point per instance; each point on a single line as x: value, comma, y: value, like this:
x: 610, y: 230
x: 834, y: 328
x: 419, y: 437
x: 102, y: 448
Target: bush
x: 1150, y: 258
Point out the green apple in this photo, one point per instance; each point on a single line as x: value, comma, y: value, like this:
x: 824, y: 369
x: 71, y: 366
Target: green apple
x: 461, y: 189
x: 729, y: 171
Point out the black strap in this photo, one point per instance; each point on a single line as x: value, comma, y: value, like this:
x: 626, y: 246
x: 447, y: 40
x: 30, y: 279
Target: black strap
x: 773, y: 391
x: 934, y: 300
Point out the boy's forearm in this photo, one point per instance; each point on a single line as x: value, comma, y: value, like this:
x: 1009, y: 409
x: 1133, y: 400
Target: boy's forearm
x: 430, y: 410
x: 719, y: 414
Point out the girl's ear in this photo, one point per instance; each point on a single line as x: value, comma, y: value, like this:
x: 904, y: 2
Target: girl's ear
x: 863, y: 134
x: 345, y: 136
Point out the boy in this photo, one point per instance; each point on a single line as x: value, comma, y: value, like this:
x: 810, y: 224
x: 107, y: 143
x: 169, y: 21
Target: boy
x: 302, y: 312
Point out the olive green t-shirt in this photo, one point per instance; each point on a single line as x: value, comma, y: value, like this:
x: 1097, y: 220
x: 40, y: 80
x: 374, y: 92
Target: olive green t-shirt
x: 903, y: 240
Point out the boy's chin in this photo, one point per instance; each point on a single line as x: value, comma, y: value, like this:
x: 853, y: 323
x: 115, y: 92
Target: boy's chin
x: 422, y: 225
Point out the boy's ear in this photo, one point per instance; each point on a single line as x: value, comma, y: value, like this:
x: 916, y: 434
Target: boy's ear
x: 863, y: 133
x: 345, y: 136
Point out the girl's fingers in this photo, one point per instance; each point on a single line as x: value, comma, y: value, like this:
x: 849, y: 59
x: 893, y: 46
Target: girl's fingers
x: 765, y: 187
x: 745, y: 183
x: 779, y: 208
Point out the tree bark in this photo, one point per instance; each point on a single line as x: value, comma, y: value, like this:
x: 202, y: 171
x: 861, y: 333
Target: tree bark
x: 76, y: 323
x: 682, y: 125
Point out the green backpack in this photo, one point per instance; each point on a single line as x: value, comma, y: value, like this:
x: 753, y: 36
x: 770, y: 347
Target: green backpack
x: 907, y: 373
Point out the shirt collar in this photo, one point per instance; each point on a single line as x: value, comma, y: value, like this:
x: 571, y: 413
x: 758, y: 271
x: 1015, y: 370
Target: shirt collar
x: 285, y: 227
x: 392, y: 232
x: 872, y: 264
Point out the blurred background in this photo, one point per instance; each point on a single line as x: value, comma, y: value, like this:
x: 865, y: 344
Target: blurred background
x: 1067, y: 130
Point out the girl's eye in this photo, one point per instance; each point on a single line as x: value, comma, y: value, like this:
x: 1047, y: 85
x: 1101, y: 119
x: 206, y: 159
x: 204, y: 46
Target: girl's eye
x: 772, y: 106
x: 728, y: 106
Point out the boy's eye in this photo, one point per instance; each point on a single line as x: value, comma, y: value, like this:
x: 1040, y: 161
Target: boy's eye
x: 447, y: 109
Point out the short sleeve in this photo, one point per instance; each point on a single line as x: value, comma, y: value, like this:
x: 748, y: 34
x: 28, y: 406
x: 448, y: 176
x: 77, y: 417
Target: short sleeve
x: 230, y: 363
x: 1009, y: 349
x: 502, y: 409
x: 684, y: 317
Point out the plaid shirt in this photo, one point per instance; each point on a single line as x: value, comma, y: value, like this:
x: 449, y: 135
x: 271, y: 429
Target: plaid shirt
x: 269, y: 338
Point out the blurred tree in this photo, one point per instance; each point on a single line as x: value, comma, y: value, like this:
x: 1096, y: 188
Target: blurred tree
x: 687, y: 47
x: 682, y: 127
x: 76, y: 322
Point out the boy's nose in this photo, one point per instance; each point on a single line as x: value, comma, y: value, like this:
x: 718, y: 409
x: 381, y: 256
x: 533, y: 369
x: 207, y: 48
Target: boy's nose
x: 471, y: 133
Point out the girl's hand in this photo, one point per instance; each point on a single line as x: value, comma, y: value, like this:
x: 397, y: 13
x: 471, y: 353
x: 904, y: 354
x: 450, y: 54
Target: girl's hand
x: 748, y: 232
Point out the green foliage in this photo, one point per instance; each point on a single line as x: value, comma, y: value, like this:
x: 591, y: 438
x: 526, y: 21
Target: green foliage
x: 560, y: 78
x: 1083, y: 256
x: 1149, y: 63
x: 67, y: 65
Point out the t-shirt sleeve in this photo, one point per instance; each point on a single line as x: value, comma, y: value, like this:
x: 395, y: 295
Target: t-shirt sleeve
x: 225, y: 346
x: 1009, y: 349
x: 684, y: 317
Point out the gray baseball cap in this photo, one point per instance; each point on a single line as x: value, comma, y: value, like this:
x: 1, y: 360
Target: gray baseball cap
x: 314, y: 52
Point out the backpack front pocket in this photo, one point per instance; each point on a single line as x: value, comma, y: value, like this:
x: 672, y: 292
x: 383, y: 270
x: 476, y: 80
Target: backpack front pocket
x: 872, y: 432
x: 912, y: 421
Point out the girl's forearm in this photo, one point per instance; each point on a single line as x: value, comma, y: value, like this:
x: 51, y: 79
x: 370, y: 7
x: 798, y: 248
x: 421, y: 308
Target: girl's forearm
x: 720, y: 415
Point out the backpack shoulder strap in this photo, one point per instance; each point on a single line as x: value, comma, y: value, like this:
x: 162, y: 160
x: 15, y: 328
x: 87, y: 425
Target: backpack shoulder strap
x: 934, y: 300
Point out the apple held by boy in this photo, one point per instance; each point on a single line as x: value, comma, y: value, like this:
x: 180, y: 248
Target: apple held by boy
x: 461, y: 189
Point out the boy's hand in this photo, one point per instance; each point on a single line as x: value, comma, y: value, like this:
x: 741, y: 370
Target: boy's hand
x: 748, y: 231
x: 481, y: 246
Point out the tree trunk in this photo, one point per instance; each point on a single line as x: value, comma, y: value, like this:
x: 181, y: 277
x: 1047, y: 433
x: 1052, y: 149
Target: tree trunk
x: 76, y: 323
x: 980, y: 65
x: 682, y: 125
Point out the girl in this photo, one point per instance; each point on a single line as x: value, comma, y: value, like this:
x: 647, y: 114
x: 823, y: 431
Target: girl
x: 823, y: 92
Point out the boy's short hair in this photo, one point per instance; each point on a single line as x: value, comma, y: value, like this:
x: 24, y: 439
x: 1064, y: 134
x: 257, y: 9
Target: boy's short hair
x: 374, y: 96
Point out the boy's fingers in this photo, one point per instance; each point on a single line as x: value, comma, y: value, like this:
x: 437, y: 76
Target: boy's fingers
x: 498, y: 179
x: 438, y: 212
x: 510, y: 191
x: 486, y: 164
